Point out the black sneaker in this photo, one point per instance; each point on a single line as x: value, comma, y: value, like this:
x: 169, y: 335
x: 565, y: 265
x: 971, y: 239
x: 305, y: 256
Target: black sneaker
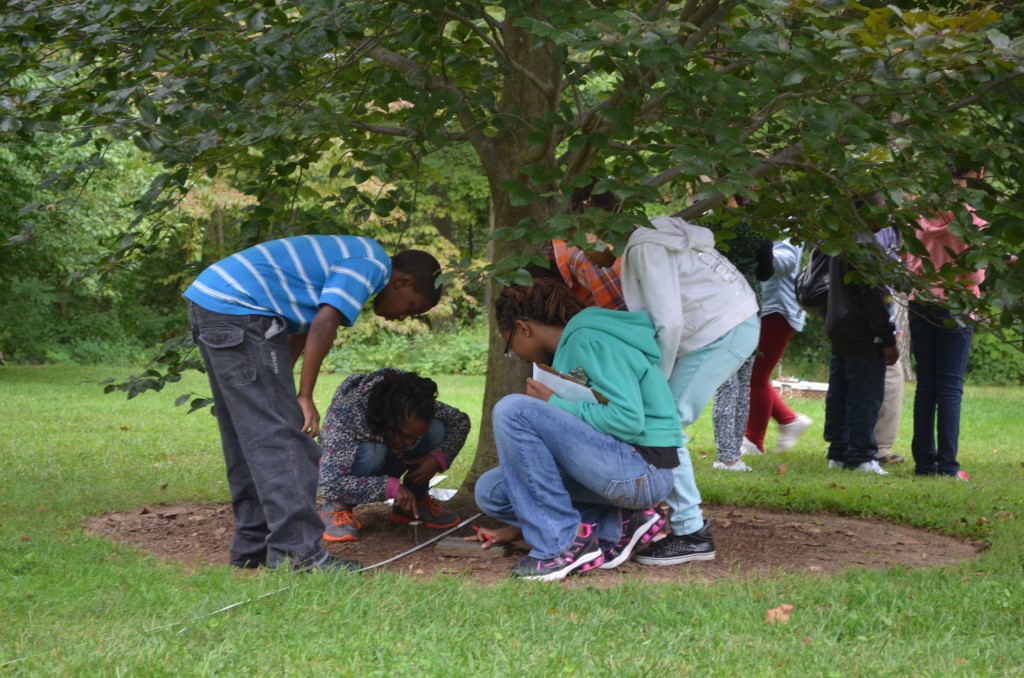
x: 638, y: 528
x: 677, y: 549
x: 584, y: 554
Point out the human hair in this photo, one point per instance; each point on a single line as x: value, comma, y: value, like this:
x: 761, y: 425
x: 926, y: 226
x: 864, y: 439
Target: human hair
x: 545, y: 301
x: 424, y: 269
x: 961, y: 165
x: 582, y: 197
x: 397, y: 397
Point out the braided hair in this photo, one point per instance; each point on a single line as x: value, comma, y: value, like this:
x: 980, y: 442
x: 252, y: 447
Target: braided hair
x: 397, y: 397
x: 545, y: 301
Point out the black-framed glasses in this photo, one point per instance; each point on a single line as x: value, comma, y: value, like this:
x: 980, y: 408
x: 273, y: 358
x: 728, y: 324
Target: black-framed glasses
x: 508, y: 344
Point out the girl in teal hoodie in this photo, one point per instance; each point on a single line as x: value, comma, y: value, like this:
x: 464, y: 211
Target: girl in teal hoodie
x: 579, y: 480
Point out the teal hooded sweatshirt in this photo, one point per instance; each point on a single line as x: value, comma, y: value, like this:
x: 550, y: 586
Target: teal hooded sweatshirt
x: 616, y: 354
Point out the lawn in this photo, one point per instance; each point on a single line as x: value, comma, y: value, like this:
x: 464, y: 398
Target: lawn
x: 78, y: 605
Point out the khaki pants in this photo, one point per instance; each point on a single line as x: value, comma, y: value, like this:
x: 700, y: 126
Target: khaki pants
x: 892, y: 409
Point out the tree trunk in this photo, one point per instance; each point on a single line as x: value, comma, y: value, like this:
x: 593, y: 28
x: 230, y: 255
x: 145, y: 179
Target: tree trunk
x: 503, y: 159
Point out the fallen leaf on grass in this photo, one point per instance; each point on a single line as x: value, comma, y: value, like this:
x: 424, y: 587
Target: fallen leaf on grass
x: 982, y: 521
x: 783, y: 469
x: 779, y: 614
x: 25, y: 537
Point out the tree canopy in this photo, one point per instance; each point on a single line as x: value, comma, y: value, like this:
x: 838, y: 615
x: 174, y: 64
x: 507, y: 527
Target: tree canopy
x: 800, y: 105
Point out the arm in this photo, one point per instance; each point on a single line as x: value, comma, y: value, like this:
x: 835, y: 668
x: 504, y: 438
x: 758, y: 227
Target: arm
x: 785, y: 259
x: 623, y: 417
x: 322, y: 331
x: 339, y: 443
x: 297, y: 342
x: 456, y: 430
x: 658, y: 293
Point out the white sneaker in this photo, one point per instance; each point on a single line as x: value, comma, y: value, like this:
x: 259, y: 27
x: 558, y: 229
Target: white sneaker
x: 791, y: 432
x: 872, y: 467
x: 832, y: 463
x: 737, y: 466
x: 747, y: 447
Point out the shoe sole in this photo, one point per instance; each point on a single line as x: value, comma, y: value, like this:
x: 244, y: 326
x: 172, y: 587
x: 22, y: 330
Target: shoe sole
x: 796, y: 438
x: 678, y: 560
x: 403, y: 520
x: 640, y: 533
x: 346, y: 538
x: 565, y: 571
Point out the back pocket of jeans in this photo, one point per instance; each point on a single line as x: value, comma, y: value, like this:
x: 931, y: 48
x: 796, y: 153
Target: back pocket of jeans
x: 630, y: 494
x: 230, y: 357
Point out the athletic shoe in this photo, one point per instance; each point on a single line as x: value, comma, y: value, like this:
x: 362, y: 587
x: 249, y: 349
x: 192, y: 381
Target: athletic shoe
x: 339, y: 525
x: 738, y: 466
x: 328, y: 563
x: 432, y: 513
x: 584, y: 554
x: 638, y: 528
x: 676, y: 549
x: 832, y: 463
x: 872, y: 467
x: 791, y: 432
x: 747, y: 447
x: 963, y: 476
x: 890, y: 459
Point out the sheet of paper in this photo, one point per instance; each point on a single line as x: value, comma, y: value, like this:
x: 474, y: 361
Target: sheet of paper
x: 564, y: 387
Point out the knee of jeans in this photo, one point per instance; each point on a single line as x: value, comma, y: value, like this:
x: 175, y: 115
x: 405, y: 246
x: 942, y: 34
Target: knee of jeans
x: 490, y: 494
x: 508, y: 408
x: 370, y: 459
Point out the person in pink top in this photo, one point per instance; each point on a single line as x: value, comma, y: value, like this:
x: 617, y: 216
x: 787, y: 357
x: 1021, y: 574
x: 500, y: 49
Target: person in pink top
x: 941, y: 343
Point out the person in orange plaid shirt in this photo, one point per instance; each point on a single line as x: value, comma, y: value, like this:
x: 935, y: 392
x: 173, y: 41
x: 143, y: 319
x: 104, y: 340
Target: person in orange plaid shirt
x: 591, y: 284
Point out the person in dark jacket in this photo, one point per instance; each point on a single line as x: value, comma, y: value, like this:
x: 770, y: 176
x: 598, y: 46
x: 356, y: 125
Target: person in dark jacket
x: 863, y: 342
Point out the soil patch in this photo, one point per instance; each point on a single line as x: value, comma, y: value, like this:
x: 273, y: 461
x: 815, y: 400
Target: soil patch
x: 750, y: 542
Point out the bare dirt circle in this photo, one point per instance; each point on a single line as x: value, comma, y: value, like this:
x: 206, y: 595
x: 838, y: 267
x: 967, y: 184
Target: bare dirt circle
x: 750, y: 542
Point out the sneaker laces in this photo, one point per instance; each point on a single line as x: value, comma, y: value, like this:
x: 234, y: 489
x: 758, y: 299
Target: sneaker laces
x: 432, y: 505
x: 342, y: 518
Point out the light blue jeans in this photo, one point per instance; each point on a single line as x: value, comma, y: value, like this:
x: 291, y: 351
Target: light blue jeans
x: 695, y: 378
x: 557, y: 471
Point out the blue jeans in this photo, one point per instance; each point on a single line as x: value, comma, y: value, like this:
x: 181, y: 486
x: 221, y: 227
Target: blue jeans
x: 557, y: 471
x: 271, y: 463
x: 940, y: 357
x: 856, y: 387
x: 375, y: 459
x: 695, y: 378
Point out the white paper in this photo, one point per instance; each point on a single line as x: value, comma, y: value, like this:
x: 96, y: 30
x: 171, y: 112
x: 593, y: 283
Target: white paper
x: 564, y: 388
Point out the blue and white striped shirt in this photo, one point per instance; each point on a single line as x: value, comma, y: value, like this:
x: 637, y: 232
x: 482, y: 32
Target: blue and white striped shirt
x: 292, y: 277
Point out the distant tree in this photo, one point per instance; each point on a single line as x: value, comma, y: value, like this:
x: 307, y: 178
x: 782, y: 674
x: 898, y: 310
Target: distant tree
x: 800, y: 105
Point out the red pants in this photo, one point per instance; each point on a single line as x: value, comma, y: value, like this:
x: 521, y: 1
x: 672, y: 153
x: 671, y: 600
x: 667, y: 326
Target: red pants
x: 765, y: 403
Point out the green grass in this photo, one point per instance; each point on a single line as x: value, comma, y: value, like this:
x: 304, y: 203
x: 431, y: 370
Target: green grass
x: 78, y: 605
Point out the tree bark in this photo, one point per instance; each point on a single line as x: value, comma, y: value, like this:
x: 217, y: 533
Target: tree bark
x: 523, y: 98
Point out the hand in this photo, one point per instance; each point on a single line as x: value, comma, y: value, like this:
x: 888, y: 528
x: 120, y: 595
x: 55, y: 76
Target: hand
x: 537, y: 390
x: 406, y: 501
x: 422, y: 469
x: 891, y: 355
x: 310, y: 416
x: 490, y: 537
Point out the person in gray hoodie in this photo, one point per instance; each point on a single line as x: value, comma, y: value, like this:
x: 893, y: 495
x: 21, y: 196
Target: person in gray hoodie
x: 705, y: 316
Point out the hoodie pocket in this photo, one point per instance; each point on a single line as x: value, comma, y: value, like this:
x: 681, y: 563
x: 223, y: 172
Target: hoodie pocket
x: 229, y: 355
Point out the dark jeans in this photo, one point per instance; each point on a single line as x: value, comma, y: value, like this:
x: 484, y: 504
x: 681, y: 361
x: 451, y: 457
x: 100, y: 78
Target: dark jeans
x: 271, y: 464
x: 940, y: 357
x: 856, y: 387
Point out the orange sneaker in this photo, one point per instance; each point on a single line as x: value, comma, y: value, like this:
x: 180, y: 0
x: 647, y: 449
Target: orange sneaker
x: 339, y: 525
x: 432, y: 513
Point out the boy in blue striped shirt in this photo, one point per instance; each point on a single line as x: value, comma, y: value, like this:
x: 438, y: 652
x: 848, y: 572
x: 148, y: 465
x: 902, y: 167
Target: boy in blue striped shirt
x: 252, y: 315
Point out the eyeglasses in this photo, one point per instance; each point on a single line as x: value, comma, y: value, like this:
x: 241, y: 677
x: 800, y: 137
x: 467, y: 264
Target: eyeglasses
x: 508, y: 344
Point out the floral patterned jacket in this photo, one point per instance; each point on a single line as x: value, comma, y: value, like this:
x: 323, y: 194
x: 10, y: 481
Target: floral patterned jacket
x: 345, y: 427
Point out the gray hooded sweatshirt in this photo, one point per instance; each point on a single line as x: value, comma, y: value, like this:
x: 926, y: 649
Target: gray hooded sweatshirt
x: 692, y: 293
